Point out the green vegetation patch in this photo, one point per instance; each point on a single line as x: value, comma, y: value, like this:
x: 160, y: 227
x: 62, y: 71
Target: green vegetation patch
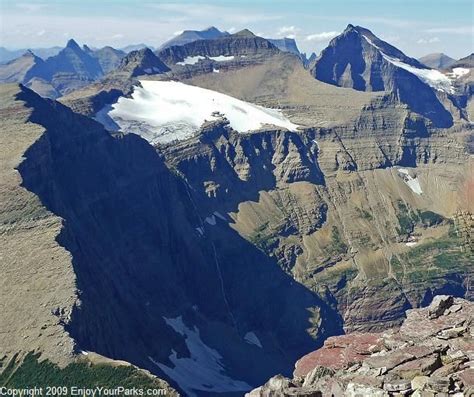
x: 264, y: 238
x: 408, y: 218
x: 337, y: 245
x: 31, y: 373
x: 364, y: 214
x: 434, y: 259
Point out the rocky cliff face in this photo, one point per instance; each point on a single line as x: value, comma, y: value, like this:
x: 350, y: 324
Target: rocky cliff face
x: 220, y: 54
x: 303, y: 199
x: 141, y: 62
x: 430, y: 355
x: 149, y: 264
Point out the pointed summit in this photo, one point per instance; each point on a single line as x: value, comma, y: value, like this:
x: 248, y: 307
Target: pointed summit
x: 349, y: 28
x: 358, y: 59
x: 72, y: 44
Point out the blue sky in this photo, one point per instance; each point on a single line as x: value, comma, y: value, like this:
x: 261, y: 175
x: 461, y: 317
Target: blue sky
x: 417, y: 27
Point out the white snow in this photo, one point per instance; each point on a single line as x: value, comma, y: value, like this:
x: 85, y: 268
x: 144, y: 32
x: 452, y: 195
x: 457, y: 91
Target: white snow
x: 434, y: 78
x: 203, y: 371
x: 252, y: 339
x: 222, y: 58
x: 191, y: 60
x: 371, y: 43
x: 413, y: 183
x: 211, y: 220
x: 164, y: 111
x: 459, y: 72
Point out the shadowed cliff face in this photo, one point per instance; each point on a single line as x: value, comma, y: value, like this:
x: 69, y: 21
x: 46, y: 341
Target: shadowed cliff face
x: 142, y: 253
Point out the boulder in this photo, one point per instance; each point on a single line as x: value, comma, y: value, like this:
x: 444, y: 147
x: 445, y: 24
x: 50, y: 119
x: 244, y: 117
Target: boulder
x: 439, y: 305
x: 317, y: 373
x: 418, y: 367
x: 438, y: 385
x: 397, y: 385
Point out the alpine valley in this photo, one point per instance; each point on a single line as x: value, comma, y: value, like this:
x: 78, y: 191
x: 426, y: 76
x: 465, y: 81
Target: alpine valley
x: 199, y: 217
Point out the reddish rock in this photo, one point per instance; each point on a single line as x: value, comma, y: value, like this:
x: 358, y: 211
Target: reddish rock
x: 418, y: 367
x: 339, y: 352
x: 418, y: 326
x: 467, y: 377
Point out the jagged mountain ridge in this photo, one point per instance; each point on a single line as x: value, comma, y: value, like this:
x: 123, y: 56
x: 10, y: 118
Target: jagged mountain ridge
x: 71, y: 68
x: 275, y: 307
x: 44, y: 53
x: 295, y: 201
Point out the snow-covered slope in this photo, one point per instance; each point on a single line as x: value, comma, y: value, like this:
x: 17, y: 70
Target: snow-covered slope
x: 203, y: 371
x: 163, y: 111
x: 434, y: 78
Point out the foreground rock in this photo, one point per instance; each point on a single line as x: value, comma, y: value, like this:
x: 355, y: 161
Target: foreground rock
x: 432, y: 354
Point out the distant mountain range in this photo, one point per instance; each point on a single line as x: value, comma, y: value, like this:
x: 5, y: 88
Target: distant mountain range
x: 214, y: 210
x: 437, y: 60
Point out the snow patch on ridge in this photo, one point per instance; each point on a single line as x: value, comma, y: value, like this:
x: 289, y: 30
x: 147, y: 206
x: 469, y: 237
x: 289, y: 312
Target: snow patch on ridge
x: 413, y: 183
x: 164, y: 111
x: 434, y: 78
x: 459, y: 72
x: 190, y: 60
x: 203, y: 371
x: 222, y: 58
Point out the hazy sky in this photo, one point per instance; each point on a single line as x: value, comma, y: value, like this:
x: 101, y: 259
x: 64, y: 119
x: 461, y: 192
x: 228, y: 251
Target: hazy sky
x: 417, y: 27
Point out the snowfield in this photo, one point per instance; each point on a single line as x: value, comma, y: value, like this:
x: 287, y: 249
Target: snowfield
x: 191, y: 60
x: 164, y: 111
x: 195, y: 59
x: 203, y: 371
x: 432, y: 77
x: 413, y: 183
x: 459, y: 72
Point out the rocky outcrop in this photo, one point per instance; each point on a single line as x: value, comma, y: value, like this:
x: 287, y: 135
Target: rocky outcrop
x: 432, y: 354
x: 141, y: 62
x: 286, y: 45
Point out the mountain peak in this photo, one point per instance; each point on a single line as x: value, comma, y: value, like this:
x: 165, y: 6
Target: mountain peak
x: 141, y: 62
x: 349, y: 28
x: 212, y: 29
x: 73, y: 45
x: 244, y: 33
x: 29, y: 53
